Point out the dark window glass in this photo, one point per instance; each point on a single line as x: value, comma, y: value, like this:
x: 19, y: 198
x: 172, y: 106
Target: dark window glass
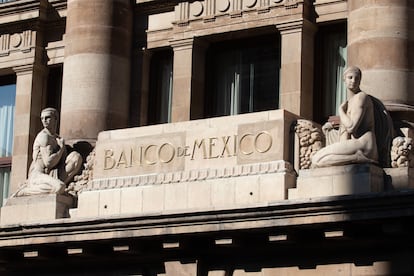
x: 7, y: 109
x: 159, y: 99
x: 54, y: 86
x: 330, y: 63
x: 243, y: 76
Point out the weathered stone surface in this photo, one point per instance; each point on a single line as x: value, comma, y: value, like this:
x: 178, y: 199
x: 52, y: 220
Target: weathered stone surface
x: 339, y: 180
x: 35, y: 208
x: 200, y: 147
x: 197, y: 165
x: 97, y: 44
x: 379, y: 40
x: 179, y: 197
x: 400, y: 178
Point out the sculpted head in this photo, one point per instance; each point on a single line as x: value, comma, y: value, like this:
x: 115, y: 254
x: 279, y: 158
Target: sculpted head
x: 352, y: 77
x: 49, y: 117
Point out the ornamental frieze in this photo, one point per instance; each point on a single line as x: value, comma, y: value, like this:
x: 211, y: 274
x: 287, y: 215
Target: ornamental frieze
x: 209, y: 9
x: 14, y: 42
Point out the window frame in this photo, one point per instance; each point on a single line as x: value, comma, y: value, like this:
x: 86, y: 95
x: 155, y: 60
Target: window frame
x: 156, y: 95
x: 319, y: 74
x: 245, y: 45
x: 6, y: 161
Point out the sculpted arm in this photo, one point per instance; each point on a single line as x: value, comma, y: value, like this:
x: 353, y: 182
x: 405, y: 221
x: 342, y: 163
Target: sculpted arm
x: 50, y: 159
x: 356, y: 111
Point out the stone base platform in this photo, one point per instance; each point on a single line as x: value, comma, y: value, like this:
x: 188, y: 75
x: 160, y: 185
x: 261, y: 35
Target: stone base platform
x: 179, y: 197
x: 399, y: 178
x: 35, y: 208
x: 341, y: 180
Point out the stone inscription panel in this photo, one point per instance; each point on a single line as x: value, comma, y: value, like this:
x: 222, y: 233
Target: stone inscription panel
x: 260, y: 142
x: 140, y: 155
x: 194, y: 145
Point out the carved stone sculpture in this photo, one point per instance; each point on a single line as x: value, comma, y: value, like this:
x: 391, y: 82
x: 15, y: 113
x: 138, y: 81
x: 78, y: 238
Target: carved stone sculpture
x: 365, y: 130
x: 82, y: 180
x: 401, y: 152
x: 310, y: 141
x: 52, y: 168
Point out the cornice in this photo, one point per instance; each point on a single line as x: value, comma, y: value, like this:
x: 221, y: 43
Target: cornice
x: 325, y: 212
x: 20, y: 7
x: 152, y: 6
x: 59, y: 4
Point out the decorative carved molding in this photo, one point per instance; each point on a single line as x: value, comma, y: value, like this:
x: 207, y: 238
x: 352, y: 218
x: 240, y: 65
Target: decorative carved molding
x: 183, y: 11
x: 23, y: 42
x: 30, y: 69
x: 291, y: 4
x: 187, y: 176
x: 182, y: 44
x: 402, y: 152
x: 295, y: 26
x: 28, y: 7
x: 209, y: 9
x: 81, y: 181
x: 310, y: 141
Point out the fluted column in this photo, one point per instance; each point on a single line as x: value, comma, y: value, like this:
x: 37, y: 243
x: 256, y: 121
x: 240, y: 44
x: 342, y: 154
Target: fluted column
x: 381, y: 40
x: 96, y: 74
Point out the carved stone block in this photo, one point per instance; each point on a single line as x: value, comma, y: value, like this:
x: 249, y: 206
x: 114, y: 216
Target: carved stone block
x: 338, y: 180
x: 399, y: 178
x: 192, y: 195
x: 20, y: 210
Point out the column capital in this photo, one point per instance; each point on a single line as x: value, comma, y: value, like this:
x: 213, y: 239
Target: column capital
x: 29, y: 69
x: 296, y: 26
x: 23, y: 69
x: 182, y: 44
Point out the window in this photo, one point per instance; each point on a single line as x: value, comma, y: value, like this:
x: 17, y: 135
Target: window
x: 161, y: 83
x: 7, y: 106
x: 330, y: 63
x: 242, y: 76
x: 54, y: 86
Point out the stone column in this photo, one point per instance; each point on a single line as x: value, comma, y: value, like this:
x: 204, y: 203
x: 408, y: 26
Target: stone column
x: 296, y: 74
x: 96, y: 73
x: 380, y: 42
x: 31, y: 83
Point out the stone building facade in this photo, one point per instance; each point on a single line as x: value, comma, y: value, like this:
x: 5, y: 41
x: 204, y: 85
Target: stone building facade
x: 189, y: 116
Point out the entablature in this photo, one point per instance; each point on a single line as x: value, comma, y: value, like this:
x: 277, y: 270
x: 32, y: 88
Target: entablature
x: 17, y: 11
x: 327, y: 213
x: 210, y: 17
x: 331, y: 10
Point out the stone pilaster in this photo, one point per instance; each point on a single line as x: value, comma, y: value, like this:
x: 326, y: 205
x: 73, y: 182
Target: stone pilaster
x: 31, y: 83
x: 187, y: 78
x: 296, y: 74
x: 96, y: 75
x: 380, y: 42
x: 182, y: 79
